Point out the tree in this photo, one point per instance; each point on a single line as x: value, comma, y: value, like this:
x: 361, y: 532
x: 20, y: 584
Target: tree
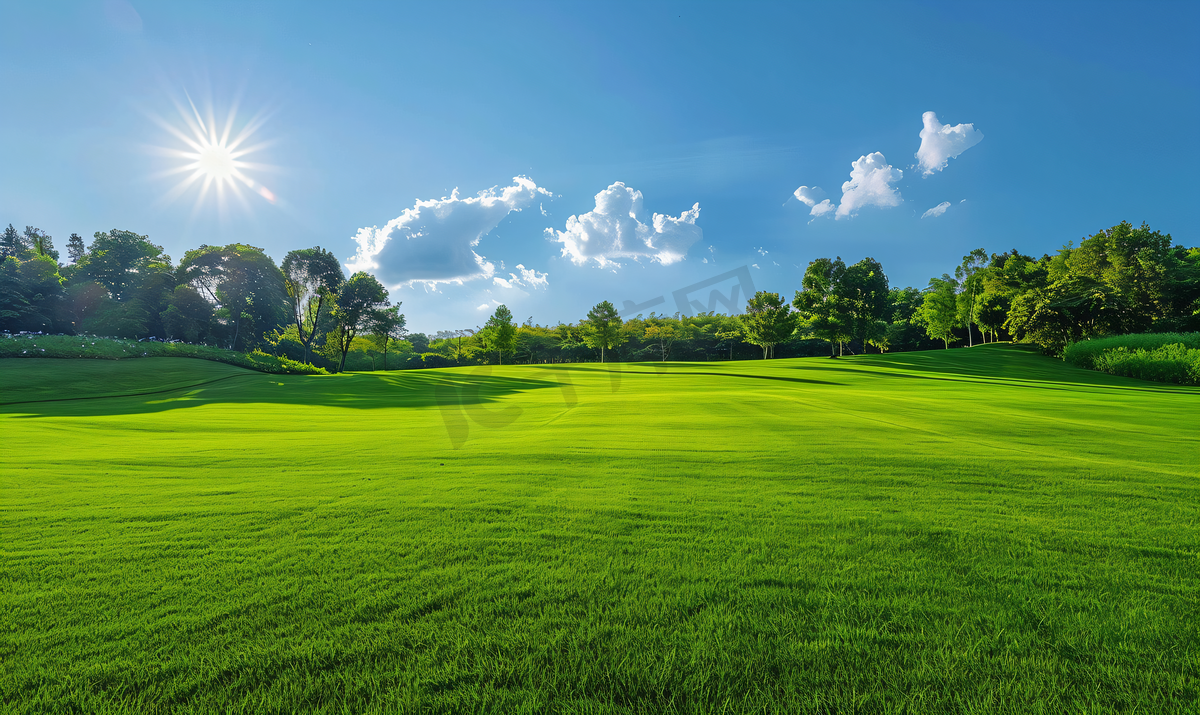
x: 11, y: 243
x: 75, y: 248
x: 385, y: 325
x: 356, y: 302
x: 602, y: 328
x: 40, y: 242
x: 768, y: 321
x: 663, y: 332
x: 730, y: 331
x: 499, y: 332
x: 970, y: 288
x: 187, y: 315
x: 311, y: 276
x: 822, y: 303
x: 939, y: 309
x: 864, y: 294
x: 245, y: 283
x: 991, y: 314
x: 121, y: 260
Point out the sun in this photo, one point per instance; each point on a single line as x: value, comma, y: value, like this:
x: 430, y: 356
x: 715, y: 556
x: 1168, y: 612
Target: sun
x: 212, y: 157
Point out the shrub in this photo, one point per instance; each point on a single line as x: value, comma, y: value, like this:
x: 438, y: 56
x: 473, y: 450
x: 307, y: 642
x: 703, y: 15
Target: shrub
x: 1085, y: 352
x: 89, y: 346
x: 1170, y: 363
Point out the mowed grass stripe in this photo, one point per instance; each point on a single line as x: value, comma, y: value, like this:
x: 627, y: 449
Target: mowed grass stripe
x: 685, y: 543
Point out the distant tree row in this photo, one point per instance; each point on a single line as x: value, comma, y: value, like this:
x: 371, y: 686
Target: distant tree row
x: 1121, y: 280
x: 233, y: 296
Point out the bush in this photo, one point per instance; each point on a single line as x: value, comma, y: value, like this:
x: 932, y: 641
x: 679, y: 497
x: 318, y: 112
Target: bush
x: 1170, y: 363
x: 88, y: 346
x: 1085, y: 352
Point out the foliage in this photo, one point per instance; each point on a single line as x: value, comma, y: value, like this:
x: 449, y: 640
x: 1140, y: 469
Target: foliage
x: 768, y: 321
x: 968, y: 276
x: 93, y: 347
x: 602, y: 329
x: 311, y: 277
x: 1170, y: 363
x: 122, y: 261
x: 1086, y: 352
x: 355, y: 308
x: 939, y: 309
x: 244, y: 283
x: 499, y: 333
x: 822, y: 305
x: 385, y: 326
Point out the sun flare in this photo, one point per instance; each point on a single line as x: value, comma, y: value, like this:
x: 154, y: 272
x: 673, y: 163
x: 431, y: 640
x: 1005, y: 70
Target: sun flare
x: 213, y: 157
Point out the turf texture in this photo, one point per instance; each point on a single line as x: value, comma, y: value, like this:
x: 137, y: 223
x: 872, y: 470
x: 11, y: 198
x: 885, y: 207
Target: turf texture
x: 967, y: 531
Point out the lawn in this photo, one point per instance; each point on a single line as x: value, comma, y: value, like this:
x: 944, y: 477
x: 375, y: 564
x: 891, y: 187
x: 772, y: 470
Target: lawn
x: 967, y: 531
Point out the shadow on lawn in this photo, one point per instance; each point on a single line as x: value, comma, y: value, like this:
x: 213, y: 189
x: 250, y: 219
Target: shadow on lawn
x: 996, y: 363
x: 447, y: 390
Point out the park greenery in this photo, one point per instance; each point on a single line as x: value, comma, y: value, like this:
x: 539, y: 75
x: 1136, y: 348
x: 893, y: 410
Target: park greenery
x: 1124, y: 280
x: 665, y: 513
x: 948, y: 531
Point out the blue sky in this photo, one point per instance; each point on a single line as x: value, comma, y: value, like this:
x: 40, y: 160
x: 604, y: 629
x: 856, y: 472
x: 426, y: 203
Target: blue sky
x: 1088, y: 114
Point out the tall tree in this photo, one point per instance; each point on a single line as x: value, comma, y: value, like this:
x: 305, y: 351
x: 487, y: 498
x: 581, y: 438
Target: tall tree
x: 188, y: 314
x: 731, y: 331
x: 663, y: 332
x: 312, y: 276
x: 768, y: 321
x: 991, y: 314
x: 40, y: 242
x: 121, y: 260
x: 970, y: 286
x: 822, y: 303
x: 499, y: 331
x: 11, y: 243
x: 356, y: 302
x: 602, y: 328
x: 939, y: 309
x: 385, y: 325
x: 864, y: 292
x: 245, y: 283
x: 75, y: 248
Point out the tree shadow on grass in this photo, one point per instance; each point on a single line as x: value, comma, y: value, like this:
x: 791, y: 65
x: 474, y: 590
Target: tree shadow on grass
x: 364, y: 391
x: 661, y: 369
x: 995, y: 363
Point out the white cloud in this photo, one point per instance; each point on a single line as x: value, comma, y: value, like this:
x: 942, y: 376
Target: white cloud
x: 936, y: 210
x: 528, y: 278
x: 617, y: 229
x: 940, y: 142
x: 870, y: 184
x: 823, y: 208
x: 436, y: 240
x: 811, y: 196
x: 483, y: 306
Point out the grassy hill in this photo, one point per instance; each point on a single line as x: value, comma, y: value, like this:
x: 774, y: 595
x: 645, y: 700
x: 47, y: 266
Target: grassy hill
x: 981, y: 530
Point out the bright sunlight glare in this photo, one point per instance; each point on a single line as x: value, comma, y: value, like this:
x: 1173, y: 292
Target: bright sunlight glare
x: 213, y: 156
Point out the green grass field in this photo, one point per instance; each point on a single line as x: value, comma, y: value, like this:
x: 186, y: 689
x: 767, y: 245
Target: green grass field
x: 963, y: 531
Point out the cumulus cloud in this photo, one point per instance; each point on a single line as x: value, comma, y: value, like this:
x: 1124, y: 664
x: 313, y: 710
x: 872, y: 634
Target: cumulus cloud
x: 940, y: 142
x: 529, y: 278
x: 936, y: 210
x: 617, y: 228
x: 823, y: 208
x: 870, y: 184
x: 436, y: 240
x: 811, y: 196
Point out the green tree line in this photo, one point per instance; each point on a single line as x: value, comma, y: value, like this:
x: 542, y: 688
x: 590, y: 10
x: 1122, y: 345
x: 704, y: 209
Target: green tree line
x: 1121, y: 280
